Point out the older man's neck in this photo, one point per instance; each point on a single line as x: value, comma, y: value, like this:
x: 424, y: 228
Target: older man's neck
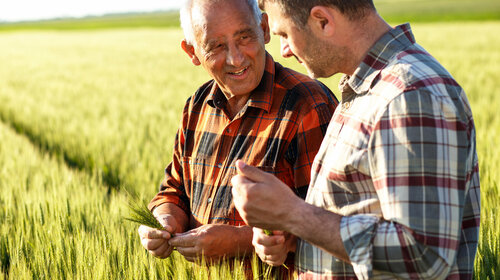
x: 235, y: 103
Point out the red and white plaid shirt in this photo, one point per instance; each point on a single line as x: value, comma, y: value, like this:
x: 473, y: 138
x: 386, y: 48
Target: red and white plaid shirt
x: 399, y: 163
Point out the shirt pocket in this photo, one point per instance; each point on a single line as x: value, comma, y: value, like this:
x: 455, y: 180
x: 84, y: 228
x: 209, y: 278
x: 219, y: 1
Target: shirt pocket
x: 198, y: 178
x: 350, y: 151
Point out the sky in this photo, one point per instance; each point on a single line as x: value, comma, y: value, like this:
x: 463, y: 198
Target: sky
x: 20, y: 10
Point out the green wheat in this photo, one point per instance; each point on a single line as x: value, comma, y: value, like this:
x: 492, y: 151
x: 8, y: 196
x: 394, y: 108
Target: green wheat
x: 72, y: 141
x: 140, y: 214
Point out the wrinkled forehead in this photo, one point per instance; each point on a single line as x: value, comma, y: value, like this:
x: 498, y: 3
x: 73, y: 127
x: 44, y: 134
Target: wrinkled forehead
x: 212, y: 18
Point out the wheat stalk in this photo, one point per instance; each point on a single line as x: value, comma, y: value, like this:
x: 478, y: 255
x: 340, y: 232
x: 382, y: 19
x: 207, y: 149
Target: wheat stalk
x: 140, y: 214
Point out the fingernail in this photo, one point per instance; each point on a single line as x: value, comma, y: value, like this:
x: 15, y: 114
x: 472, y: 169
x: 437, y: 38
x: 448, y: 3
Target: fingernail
x: 241, y: 164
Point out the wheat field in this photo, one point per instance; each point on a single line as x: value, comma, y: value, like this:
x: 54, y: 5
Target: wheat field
x: 89, y: 116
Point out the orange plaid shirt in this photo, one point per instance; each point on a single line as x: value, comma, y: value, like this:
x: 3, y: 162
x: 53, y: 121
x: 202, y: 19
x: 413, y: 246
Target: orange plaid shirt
x: 278, y: 130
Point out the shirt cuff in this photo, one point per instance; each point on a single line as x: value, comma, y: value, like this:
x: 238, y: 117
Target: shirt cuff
x: 158, y: 200
x: 357, y: 234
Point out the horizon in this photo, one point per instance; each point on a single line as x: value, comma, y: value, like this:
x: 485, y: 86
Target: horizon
x: 13, y: 12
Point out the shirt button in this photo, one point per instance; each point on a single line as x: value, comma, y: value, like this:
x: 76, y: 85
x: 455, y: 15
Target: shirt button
x: 209, y: 200
x: 219, y: 165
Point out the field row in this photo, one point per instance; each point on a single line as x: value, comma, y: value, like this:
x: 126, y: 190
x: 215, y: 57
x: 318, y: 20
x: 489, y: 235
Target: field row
x: 58, y: 223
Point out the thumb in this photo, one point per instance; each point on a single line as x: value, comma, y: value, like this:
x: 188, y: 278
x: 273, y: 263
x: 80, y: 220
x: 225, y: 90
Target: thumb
x: 168, y: 222
x: 250, y: 172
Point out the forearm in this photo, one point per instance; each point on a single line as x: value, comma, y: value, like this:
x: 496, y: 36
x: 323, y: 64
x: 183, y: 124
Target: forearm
x: 180, y: 216
x: 243, y: 242
x: 317, y: 226
x: 214, y: 241
x: 392, y: 245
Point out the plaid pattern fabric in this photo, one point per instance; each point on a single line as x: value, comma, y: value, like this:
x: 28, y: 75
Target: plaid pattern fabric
x: 399, y: 163
x: 279, y: 130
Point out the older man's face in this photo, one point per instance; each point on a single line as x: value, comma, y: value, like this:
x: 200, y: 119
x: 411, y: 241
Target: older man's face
x: 230, y: 45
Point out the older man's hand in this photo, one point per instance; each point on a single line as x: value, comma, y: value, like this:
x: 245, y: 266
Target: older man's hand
x: 213, y: 241
x: 156, y: 241
x: 262, y: 200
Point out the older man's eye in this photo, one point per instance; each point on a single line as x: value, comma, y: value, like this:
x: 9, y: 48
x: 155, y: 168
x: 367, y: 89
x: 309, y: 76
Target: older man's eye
x: 215, y: 47
x: 245, y: 39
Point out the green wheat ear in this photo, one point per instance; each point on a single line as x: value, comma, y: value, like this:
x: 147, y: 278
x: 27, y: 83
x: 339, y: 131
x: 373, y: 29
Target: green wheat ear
x: 140, y: 214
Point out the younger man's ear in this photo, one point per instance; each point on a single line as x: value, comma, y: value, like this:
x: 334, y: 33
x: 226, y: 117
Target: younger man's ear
x: 323, y: 19
x: 189, y: 49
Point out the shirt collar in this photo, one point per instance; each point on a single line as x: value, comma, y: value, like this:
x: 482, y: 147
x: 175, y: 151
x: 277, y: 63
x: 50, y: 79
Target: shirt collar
x: 260, y: 97
x: 378, y: 57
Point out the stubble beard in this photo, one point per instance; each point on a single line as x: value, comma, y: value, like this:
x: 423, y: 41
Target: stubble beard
x: 322, y: 59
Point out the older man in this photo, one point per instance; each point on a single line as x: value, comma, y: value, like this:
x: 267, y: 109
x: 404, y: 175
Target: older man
x: 395, y: 186
x: 254, y: 109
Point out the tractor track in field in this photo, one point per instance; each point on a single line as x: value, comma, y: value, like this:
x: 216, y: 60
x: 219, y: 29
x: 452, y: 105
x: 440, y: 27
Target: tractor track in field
x: 43, y: 145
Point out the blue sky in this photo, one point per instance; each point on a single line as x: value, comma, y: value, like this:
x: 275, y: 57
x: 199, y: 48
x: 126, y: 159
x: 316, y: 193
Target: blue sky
x: 17, y: 10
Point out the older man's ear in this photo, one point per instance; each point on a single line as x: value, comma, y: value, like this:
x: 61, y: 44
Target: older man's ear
x: 264, y: 24
x: 189, y: 49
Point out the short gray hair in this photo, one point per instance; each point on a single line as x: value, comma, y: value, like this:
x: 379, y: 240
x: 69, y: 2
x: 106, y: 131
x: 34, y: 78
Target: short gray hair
x: 187, y: 25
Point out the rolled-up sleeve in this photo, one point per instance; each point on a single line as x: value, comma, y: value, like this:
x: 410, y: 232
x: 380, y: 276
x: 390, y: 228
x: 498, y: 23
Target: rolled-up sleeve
x: 424, y: 167
x: 172, y: 188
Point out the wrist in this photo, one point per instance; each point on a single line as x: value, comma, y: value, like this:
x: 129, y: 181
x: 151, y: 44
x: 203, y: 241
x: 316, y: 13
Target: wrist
x: 244, y: 234
x: 293, y: 221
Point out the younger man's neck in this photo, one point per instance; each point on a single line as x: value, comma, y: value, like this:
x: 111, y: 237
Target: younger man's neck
x: 365, y: 34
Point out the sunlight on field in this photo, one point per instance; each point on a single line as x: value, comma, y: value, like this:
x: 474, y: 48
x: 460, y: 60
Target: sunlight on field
x: 106, y: 105
x: 107, y: 101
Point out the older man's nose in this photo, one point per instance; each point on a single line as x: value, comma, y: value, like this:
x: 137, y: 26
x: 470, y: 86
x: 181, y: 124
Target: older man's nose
x: 234, y: 56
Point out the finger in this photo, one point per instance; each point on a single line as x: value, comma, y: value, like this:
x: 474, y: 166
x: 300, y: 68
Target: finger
x: 240, y: 180
x: 252, y: 173
x: 183, y: 240
x: 272, y: 250
x: 152, y: 244
x: 163, y: 251
x: 275, y: 262
x: 191, y: 259
x: 189, y: 252
x: 272, y: 260
x: 259, y: 231
x: 146, y: 232
x: 167, y: 221
x: 263, y: 239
